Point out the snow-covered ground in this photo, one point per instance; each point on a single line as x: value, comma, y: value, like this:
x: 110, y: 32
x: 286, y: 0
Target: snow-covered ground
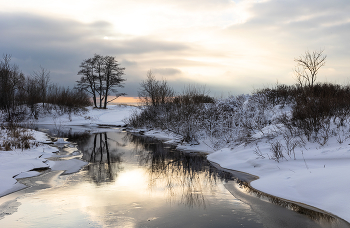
x: 318, y: 176
x: 17, y: 163
x: 114, y: 115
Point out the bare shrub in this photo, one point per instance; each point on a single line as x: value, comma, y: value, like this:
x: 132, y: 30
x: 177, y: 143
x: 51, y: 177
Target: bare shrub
x: 15, y: 137
x: 154, y: 92
x: 182, y: 114
x: 186, y: 113
x: 258, y: 153
x: 277, y: 152
x: 291, y: 143
x: 68, y: 100
x: 324, y: 134
x: 315, y: 106
x: 340, y: 140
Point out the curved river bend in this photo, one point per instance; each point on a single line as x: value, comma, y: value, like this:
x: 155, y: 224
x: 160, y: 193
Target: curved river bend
x: 134, y: 181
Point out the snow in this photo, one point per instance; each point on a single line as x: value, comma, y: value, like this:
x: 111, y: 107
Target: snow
x: 321, y: 180
x: 113, y: 115
x: 318, y: 176
x: 18, y: 164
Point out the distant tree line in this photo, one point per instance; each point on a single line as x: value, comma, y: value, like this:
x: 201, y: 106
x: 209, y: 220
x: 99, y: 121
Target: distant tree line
x: 22, y: 95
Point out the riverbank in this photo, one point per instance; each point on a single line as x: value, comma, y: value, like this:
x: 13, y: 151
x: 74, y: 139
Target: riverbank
x: 18, y: 163
x: 316, y: 177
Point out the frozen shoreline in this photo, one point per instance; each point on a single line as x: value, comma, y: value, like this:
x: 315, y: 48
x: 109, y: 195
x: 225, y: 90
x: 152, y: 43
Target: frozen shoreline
x: 316, y: 178
x: 18, y: 164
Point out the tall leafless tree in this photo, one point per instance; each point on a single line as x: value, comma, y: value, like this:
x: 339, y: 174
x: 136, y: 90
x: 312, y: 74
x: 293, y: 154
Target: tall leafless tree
x: 100, y: 76
x: 42, y: 77
x: 308, y: 66
x: 9, y: 81
x: 88, y: 80
x: 112, y: 77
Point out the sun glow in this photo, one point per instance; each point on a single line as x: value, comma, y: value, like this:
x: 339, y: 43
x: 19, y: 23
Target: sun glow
x: 131, y: 179
x: 125, y: 100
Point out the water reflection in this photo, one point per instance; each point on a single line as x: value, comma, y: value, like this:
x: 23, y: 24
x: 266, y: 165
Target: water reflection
x: 183, y: 176
x: 134, y: 181
x: 105, y: 160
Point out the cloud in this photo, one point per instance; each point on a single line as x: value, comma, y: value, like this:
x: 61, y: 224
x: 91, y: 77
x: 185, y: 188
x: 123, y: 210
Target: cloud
x: 60, y: 45
x: 197, y: 5
x: 303, y: 22
x: 128, y: 63
x: 166, y: 71
x: 186, y: 41
x: 279, y: 31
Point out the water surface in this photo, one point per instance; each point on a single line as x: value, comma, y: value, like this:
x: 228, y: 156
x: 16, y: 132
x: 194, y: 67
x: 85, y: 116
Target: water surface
x: 134, y: 181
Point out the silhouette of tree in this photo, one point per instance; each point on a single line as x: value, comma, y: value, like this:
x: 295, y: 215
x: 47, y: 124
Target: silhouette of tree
x: 100, y: 77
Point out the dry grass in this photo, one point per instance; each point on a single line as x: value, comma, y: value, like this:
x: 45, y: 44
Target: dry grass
x: 15, y: 137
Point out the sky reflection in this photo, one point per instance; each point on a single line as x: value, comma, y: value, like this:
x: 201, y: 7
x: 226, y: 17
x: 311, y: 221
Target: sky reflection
x: 136, y: 182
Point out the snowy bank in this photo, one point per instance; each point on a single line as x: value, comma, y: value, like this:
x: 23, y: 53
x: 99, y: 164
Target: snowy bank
x: 19, y: 163
x: 16, y: 163
x: 316, y: 177
x: 113, y: 115
x: 295, y: 139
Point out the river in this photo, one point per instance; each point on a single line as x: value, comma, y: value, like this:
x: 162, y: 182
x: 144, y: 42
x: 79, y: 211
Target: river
x: 135, y: 181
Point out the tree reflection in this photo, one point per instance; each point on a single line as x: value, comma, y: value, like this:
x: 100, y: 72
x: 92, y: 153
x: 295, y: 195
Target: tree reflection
x: 105, y: 160
x: 186, y: 177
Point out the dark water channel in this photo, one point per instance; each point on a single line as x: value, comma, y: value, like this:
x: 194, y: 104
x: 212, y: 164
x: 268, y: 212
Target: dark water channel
x: 134, y: 181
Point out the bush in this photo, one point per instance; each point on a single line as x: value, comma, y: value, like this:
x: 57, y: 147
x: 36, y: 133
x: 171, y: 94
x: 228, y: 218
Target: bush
x: 241, y: 119
x: 15, y: 137
x: 68, y: 99
x: 154, y: 92
x: 182, y: 114
x: 315, y: 106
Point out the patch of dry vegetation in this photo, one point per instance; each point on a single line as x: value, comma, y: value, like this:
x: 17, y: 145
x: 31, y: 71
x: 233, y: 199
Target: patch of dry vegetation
x: 15, y: 137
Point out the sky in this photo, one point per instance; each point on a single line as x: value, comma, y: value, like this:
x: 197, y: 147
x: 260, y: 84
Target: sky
x: 230, y: 47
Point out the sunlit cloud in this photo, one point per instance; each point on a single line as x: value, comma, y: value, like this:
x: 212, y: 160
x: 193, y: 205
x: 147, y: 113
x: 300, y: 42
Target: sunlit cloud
x: 226, y: 45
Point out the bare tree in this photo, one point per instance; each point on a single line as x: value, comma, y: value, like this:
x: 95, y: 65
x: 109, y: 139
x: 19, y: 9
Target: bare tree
x: 112, y: 78
x: 100, y: 76
x: 154, y: 92
x: 88, y: 80
x: 308, y: 66
x: 10, y: 77
x: 42, y: 77
x: 98, y: 61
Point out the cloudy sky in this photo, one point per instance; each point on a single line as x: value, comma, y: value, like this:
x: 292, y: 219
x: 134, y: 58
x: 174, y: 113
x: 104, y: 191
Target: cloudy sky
x: 232, y: 47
